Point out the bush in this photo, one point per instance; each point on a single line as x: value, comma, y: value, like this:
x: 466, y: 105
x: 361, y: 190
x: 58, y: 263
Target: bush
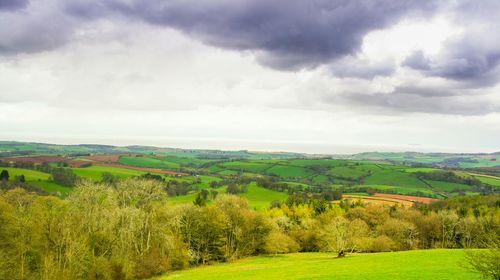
x: 280, y: 243
x: 382, y: 244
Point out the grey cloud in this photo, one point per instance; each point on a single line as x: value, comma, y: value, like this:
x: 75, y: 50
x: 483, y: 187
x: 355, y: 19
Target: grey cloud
x: 472, y: 56
x: 40, y: 27
x: 13, y: 4
x: 411, y: 103
x: 428, y: 91
x: 418, y: 61
x: 465, y: 59
x: 284, y: 34
x: 350, y: 67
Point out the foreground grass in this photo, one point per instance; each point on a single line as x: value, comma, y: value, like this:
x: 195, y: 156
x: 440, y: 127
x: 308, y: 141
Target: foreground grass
x: 419, y: 264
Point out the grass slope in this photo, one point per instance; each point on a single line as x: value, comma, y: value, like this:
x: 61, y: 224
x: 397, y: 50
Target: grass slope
x: 261, y: 198
x: 95, y: 172
x: 422, y: 264
x: 258, y: 197
x: 149, y: 162
x: 37, y: 178
x: 395, y: 178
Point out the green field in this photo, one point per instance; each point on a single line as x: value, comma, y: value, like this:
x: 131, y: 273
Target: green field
x: 494, y: 181
x: 38, y: 179
x: 258, y: 197
x: 29, y: 175
x: 395, y: 178
x: 149, y: 162
x: 51, y: 187
x: 95, y: 172
x: 247, y: 166
x: 349, y: 172
x: 439, y: 264
x: 447, y: 186
x: 288, y: 171
x: 261, y: 198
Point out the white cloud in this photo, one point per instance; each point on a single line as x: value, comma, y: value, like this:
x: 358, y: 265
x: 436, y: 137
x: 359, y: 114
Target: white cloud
x: 122, y: 82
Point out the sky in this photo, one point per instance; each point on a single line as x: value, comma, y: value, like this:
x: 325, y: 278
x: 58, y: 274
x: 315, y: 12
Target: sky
x: 316, y: 76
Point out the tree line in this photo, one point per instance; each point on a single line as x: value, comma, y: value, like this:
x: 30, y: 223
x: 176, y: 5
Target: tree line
x: 126, y: 230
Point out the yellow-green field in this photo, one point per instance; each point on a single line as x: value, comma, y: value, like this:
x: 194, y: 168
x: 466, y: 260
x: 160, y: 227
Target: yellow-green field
x: 420, y: 264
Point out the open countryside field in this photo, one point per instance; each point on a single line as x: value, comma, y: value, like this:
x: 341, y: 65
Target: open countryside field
x: 258, y: 197
x: 95, y: 172
x: 148, y: 162
x: 38, y: 179
x: 421, y: 264
x: 395, y: 178
x: 300, y: 174
x: 492, y: 180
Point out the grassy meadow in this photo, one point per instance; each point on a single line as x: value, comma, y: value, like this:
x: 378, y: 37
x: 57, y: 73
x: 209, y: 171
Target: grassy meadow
x: 419, y: 264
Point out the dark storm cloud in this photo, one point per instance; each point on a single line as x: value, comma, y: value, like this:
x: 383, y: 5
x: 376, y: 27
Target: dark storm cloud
x: 12, y: 4
x: 466, y: 59
x: 284, y: 34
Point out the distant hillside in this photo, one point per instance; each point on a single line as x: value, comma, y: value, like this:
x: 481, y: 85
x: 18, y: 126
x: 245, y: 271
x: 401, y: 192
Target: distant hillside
x: 14, y: 148
x: 462, y: 160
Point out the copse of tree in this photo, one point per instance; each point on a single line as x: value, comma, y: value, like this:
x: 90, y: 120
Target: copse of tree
x: 20, y: 178
x: 4, y: 175
x: 130, y: 232
x: 176, y: 188
x: 201, y: 198
x: 109, y: 178
x: 234, y: 188
x: 149, y: 176
x: 64, y: 176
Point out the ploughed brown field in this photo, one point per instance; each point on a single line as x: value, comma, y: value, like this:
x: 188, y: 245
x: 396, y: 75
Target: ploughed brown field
x: 36, y: 159
x: 104, y: 158
x: 45, y: 159
x: 152, y: 170
x: 426, y: 200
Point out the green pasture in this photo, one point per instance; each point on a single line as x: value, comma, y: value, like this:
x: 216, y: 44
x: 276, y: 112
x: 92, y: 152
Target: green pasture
x: 347, y: 171
x: 494, y: 181
x: 442, y: 264
x: 261, y: 198
x: 149, y: 162
x: 395, y: 178
x: 253, y: 167
x: 447, y: 186
x: 287, y: 171
x: 258, y: 197
x: 36, y: 178
x: 94, y: 172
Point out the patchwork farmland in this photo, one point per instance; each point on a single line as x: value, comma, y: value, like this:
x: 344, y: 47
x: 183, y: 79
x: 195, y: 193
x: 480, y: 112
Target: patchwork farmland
x: 365, y: 180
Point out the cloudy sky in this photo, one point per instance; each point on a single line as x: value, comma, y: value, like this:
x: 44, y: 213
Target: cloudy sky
x: 322, y: 76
